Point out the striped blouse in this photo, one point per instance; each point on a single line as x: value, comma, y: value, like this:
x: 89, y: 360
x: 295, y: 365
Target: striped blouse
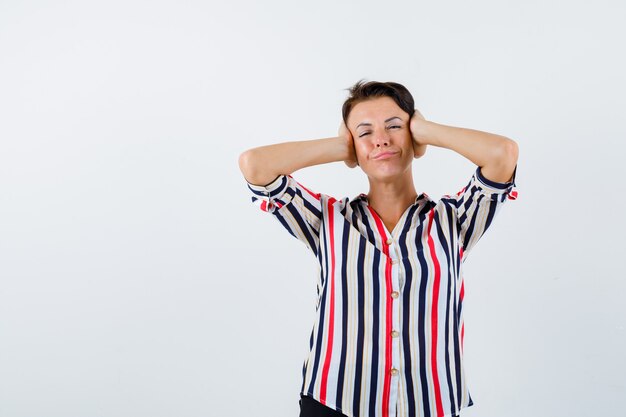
x: 388, y: 334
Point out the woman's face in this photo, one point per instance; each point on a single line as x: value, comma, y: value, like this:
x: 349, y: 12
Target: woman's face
x: 382, y: 138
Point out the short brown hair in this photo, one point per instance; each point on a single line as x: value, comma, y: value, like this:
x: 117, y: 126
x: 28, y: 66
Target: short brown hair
x: 362, y: 91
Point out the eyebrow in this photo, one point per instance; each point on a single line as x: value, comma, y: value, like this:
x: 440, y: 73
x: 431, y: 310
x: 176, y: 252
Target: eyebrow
x: 369, y: 124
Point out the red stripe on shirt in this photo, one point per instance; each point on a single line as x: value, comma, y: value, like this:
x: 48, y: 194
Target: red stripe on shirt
x: 389, y: 312
x: 462, y: 294
x: 331, y: 314
x: 436, y: 283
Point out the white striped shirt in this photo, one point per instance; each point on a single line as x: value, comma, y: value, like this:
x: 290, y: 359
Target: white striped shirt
x: 388, y: 334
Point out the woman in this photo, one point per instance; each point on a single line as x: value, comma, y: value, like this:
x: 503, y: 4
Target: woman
x: 388, y: 335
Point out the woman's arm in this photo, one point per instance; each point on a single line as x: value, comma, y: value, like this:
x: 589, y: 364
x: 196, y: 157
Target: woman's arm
x: 262, y: 165
x: 496, y: 155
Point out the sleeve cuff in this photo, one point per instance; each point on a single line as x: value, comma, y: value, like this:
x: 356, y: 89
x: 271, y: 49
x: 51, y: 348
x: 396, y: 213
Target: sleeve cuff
x: 497, y: 190
x: 274, y: 195
x: 274, y: 189
x: 493, y: 186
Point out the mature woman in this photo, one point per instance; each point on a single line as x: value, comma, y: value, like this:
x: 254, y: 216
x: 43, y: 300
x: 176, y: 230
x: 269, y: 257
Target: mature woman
x: 388, y: 335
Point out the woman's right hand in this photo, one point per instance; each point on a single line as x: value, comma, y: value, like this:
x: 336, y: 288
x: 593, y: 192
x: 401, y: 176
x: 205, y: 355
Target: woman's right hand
x: 344, y: 133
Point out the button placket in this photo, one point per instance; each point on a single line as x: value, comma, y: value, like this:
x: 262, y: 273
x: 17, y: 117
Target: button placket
x: 393, y: 254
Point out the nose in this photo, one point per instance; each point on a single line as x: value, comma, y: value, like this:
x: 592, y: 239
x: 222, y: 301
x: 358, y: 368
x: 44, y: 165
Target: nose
x: 382, y: 139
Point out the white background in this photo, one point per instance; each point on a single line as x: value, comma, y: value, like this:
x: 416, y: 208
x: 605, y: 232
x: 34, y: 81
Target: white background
x: 137, y: 278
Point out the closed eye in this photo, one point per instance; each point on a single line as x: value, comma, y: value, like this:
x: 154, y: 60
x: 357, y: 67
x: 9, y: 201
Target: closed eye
x: 367, y: 133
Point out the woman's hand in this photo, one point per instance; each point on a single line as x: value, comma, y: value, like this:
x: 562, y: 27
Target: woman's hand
x: 346, y: 136
x: 419, y: 149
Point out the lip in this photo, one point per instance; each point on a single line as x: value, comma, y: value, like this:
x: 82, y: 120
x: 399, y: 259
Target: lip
x: 385, y: 155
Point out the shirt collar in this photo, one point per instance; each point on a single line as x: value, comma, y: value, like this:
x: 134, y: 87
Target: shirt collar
x: 420, y: 197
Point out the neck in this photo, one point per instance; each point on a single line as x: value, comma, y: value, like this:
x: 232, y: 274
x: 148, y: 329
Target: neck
x: 390, y: 198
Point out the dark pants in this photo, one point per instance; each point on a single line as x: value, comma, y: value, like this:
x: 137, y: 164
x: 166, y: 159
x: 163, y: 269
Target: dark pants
x: 312, y: 408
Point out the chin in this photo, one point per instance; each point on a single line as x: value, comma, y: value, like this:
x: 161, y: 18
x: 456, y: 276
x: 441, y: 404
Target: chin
x: 388, y: 172
x: 386, y: 175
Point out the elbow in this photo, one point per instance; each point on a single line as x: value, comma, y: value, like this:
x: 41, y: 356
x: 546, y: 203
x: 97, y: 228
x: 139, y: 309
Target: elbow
x: 252, y: 169
x: 503, y: 161
x: 246, y: 164
x: 509, y: 153
x: 509, y: 158
x: 244, y: 161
